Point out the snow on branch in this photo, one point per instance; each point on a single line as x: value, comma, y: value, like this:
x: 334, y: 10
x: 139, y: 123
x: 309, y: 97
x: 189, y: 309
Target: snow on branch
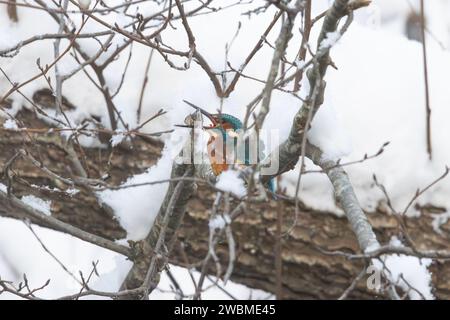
x: 345, y: 195
x: 11, y: 206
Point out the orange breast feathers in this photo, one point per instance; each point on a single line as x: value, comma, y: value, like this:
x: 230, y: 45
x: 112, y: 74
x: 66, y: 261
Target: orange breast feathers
x: 217, y: 156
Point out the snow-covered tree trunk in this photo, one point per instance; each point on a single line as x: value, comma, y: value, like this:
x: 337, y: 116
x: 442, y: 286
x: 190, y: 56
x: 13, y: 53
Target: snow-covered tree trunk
x: 308, y: 271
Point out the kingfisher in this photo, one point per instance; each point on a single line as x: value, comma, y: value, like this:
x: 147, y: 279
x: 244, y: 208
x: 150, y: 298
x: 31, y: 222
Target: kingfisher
x: 226, y: 144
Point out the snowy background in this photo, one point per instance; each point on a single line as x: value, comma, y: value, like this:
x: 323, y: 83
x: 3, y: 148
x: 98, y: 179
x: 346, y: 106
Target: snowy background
x: 375, y: 96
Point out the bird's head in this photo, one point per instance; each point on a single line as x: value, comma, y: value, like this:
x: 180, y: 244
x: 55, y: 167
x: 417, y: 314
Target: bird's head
x: 220, y: 121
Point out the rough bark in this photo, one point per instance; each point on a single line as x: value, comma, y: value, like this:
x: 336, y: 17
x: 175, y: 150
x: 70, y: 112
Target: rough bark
x: 307, y: 272
x: 81, y: 209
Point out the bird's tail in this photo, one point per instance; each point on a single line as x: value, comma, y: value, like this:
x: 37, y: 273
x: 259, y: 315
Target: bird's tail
x: 272, y: 189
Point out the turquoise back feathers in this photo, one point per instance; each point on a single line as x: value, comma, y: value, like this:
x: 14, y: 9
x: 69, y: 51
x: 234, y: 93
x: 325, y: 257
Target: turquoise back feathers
x: 233, y: 121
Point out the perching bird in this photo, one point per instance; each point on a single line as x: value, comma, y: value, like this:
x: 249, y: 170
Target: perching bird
x: 226, y: 142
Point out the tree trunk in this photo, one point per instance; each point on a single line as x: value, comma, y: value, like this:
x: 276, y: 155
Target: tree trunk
x: 306, y: 271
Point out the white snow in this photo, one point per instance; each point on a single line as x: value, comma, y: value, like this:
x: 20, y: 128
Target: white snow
x: 137, y: 207
x: 37, y: 203
x: 372, y: 247
x: 376, y: 95
x: 117, y: 138
x: 229, y: 181
x: 27, y: 256
x: 326, y: 133
x: 238, y: 291
x: 438, y: 220
x: 110, y: 280
x: 219, y: 222
x: 412, y: 269
x: 10, y: 124
x: 71, y: 192
x: 84, y: 3
x: 77, y: 256
x: 330, y: 40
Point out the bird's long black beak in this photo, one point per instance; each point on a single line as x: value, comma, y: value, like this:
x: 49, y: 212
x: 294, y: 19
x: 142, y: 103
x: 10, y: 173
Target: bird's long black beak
x: 203, y: 111
x: 188, y: 126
